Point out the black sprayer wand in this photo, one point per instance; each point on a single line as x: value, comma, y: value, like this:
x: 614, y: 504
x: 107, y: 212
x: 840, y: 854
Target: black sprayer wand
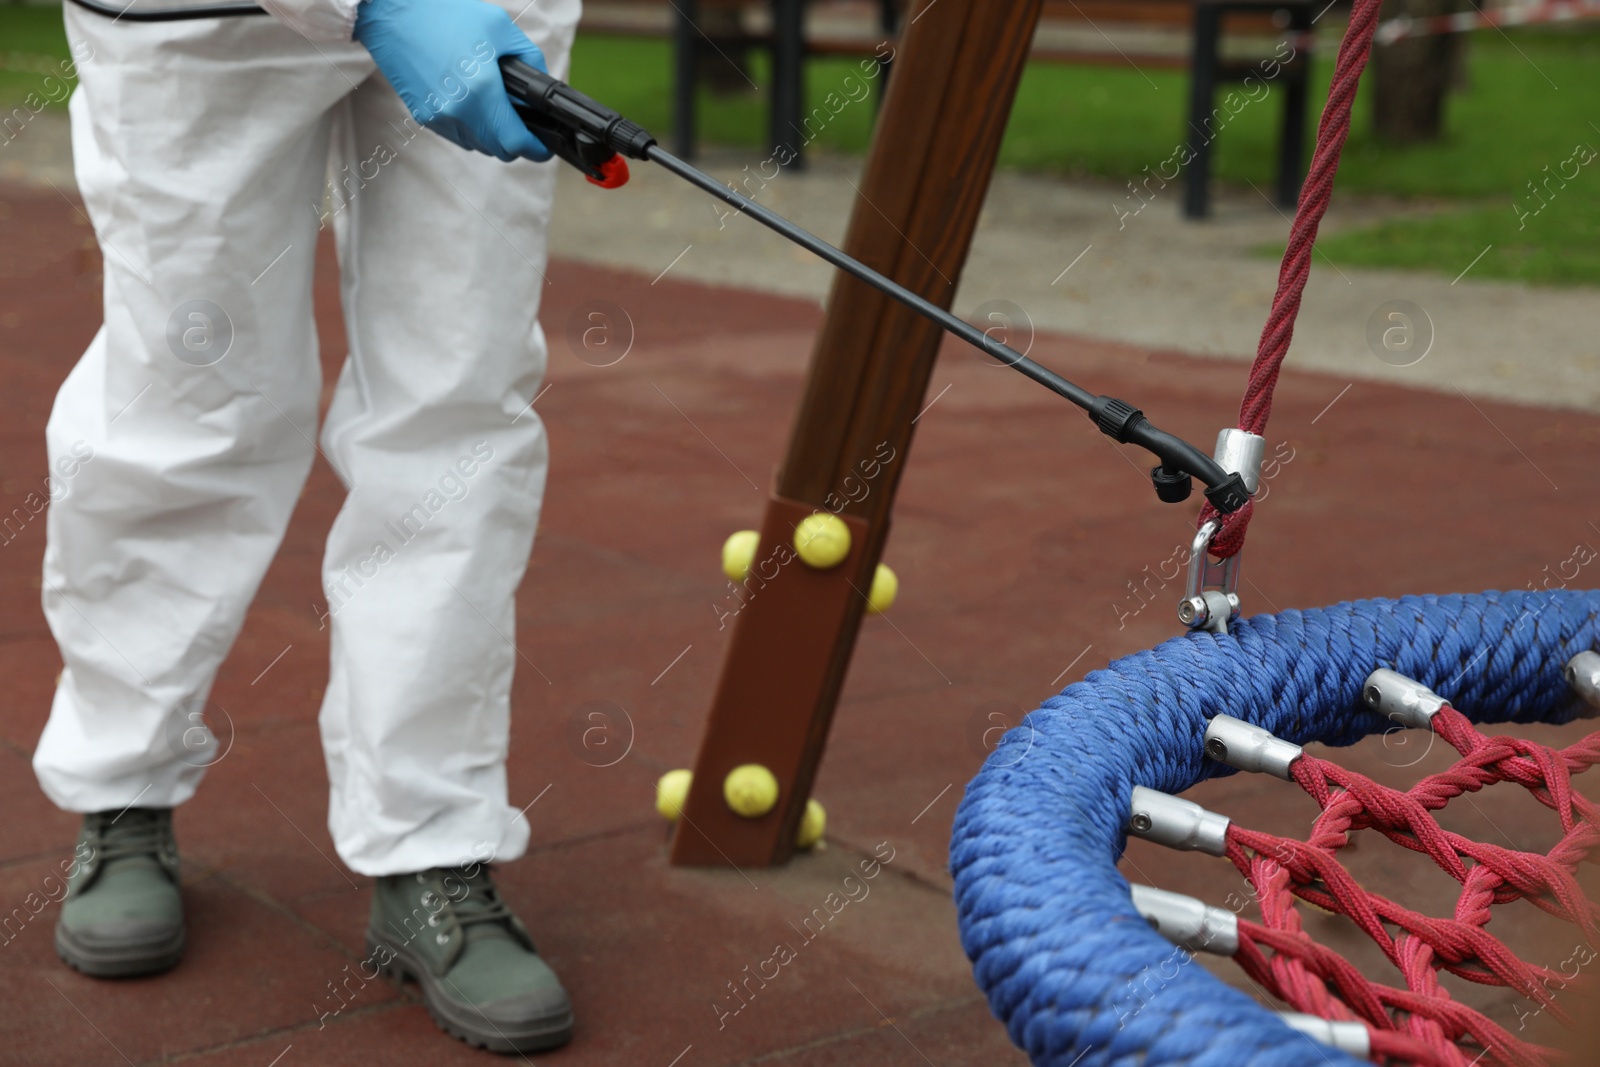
x: 594, y: 139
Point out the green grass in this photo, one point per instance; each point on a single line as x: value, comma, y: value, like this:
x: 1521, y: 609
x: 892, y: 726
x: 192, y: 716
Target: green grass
x: 32, y: 43
x: 634, y: 76
x: 1560, y: 247
x: 1113, y: 122
x: 1501, y: 133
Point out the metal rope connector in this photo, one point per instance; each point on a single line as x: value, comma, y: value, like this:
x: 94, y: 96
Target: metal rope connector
x: 1401, y: 699
x: 1186, y: 922
x: 1583, y: 675
x: 1177, y: 823
x: 1250, y: 748
x: 1203, y: 607
x: 1241, y: 452
x: 1351, y: 1037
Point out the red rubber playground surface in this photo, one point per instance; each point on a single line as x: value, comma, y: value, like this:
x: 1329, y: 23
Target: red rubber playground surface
x: 1029, y: 553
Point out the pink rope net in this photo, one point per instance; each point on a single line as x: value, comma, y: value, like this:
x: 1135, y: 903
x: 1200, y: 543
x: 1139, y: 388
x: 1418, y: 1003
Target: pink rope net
x: 1421, y: 1023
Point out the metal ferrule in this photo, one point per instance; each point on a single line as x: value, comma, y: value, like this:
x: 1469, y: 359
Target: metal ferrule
x: 1583, y: 675
x: 1240, y: 452
x: 1177, y: 823
x: 1187, y: 922
x: 1401, y: 699
x: 1249, y: 748
x: 1350, y: 1037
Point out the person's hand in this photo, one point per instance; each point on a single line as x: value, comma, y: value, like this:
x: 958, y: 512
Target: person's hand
x: 442, y: 57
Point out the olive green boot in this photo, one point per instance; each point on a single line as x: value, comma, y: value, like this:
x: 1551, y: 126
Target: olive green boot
x: 481, y: 977
x: 122, y: 915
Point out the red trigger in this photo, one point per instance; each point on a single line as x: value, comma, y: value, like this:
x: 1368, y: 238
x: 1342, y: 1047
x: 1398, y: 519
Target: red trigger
x: 613, y: 173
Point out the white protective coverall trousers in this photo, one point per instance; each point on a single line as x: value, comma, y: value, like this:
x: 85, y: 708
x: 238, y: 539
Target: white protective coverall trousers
x: 201, y: 150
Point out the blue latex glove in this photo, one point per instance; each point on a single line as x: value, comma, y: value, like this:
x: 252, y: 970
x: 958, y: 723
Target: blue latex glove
x: 442, y: 56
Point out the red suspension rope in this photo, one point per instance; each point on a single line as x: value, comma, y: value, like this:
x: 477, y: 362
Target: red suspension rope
x: 1420, y: 1024
x: 1296, y: 268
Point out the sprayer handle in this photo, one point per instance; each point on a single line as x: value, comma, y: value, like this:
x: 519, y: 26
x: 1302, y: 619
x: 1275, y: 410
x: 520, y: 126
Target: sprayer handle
x: 586, y: 134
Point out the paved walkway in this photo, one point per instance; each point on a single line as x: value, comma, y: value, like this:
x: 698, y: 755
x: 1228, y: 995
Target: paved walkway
x: 1080, y: 257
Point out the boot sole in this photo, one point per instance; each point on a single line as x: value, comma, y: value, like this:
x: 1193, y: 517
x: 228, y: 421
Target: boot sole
x: 462, y: 1021
x: 135, y: 962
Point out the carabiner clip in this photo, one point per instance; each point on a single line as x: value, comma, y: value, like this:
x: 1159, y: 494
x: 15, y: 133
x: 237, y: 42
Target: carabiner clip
x: 1211, y: 594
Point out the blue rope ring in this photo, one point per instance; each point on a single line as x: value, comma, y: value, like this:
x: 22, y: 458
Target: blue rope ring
x: 1045, y: 916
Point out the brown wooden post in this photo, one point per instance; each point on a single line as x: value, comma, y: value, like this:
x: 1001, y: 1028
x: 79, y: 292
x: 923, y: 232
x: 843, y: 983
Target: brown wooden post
x: 955, y: 75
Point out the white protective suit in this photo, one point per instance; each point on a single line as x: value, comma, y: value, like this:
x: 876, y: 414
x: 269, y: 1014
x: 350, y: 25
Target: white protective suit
x: 202, y: 149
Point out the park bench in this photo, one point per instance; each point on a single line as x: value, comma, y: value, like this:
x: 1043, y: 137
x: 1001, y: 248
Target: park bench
x: 1217, y: 41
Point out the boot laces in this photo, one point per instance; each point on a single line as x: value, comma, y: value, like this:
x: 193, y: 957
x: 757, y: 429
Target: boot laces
x: 481, y: 905
x: 134, y: 832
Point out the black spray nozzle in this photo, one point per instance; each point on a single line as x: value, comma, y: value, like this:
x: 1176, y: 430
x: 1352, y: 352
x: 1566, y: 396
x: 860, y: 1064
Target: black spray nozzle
x: 1172, y: 486
x: 1126, y: 424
